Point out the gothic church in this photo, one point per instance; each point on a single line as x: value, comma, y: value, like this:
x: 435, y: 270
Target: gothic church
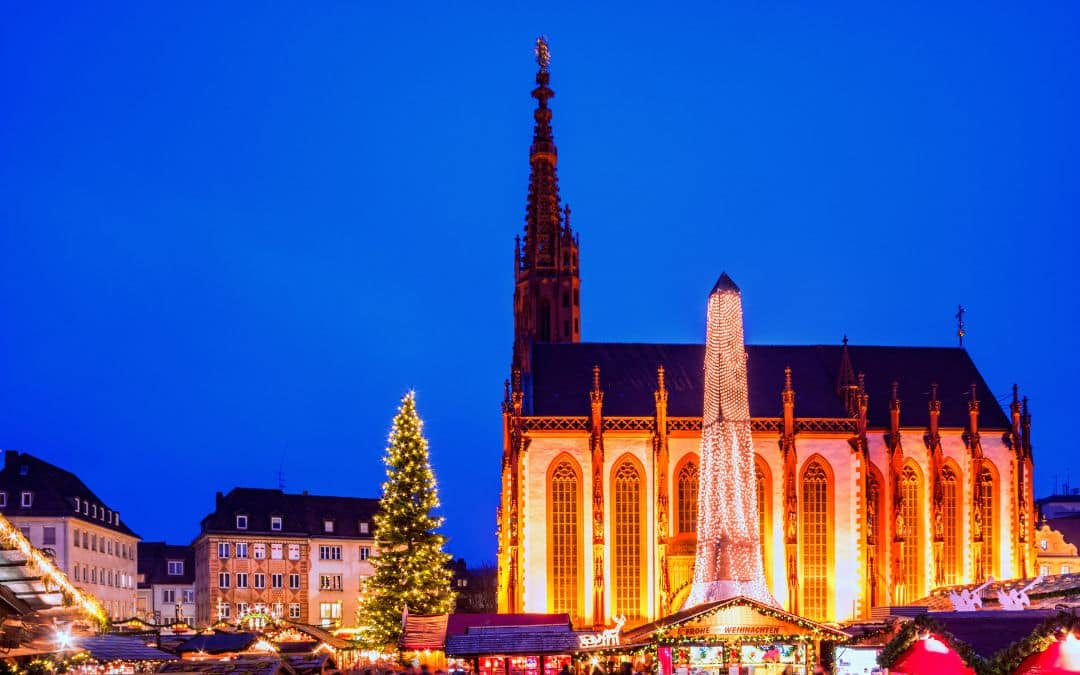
x: 881, y: 472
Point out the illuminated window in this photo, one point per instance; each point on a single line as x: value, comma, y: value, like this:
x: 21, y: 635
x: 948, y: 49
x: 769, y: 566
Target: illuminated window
x: 763, y: 486
x: 564, y: 539
x: 627, y: 559
x: 986, y: 505
x: 911, y: 561
x: 815, y: 542
x: 950, y: 516
x: 686, y: 514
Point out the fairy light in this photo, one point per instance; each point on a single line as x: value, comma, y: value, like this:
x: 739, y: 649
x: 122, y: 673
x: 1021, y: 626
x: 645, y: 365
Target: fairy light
x: 87, y: 602
x: 728, y: 558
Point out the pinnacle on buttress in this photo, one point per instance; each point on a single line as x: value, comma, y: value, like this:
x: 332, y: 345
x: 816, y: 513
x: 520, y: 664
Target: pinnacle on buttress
x: 725, y: 285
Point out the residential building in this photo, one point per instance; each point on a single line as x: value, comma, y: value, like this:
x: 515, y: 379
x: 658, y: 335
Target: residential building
x: 298, y: 556
x: 166, y: 582
x: 59, y: 514
x: 1055, y: 546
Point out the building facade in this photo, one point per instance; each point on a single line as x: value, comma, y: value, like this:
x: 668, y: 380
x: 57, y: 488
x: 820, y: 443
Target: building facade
x: 295, y: 556
x: 59, y: 514
x: 881, y: 472
x: 166, y: 583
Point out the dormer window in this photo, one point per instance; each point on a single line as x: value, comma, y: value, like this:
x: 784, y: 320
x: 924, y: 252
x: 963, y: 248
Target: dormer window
x: 93, y: 511
x: 116, y: 518
x: 27, y: 499
x: 176, y: 568
x: 328, y: 526
x: 241, y: 522
x: 109, y: 518
x: 363, y: 527
x: 3, y: 499
x: 275, y: 523
x: 24, y: 470
x: 86, y: 508
x: 77, y: 502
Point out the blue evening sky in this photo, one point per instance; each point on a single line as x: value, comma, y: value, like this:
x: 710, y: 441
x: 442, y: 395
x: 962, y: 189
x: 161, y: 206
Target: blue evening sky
x: 232, y: 234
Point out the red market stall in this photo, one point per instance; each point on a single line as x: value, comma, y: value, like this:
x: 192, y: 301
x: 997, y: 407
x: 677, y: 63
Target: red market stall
x: 929, y: 654
x: 1060, y: 656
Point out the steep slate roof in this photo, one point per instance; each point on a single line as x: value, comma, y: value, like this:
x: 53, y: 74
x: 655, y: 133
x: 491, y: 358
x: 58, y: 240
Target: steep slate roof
x: 302, y: 514
x: 562, y: 377
x: 153, y: 563
x: 55, y: 491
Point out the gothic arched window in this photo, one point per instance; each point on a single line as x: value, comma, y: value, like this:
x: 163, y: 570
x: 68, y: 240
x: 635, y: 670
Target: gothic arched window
x: 686, y: 498
x: 950, y: 516
x: 627, y: 549
x: 763, y: 485
x: 565, y: 539
x: 986, y: 507
x: 911, y: 563
x: 815, y: 542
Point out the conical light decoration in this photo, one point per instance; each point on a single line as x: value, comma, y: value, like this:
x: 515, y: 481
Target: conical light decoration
x: 728, y: 561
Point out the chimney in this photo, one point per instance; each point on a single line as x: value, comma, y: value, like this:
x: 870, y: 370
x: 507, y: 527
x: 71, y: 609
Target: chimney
x: 11, y: 457
x: 219, y: 499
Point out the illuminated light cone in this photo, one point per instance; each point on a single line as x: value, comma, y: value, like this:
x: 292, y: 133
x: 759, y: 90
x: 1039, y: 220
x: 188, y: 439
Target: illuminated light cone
x: 728, y: 561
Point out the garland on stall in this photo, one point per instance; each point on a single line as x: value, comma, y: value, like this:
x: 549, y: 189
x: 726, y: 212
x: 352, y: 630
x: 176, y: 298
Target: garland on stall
x: 896, y: 647
x: 1009, y: 659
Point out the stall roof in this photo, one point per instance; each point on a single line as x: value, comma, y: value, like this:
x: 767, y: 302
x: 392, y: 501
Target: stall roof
x: 218, y: 642
x: 121, y: 648
x: 516, y: 640
x: 253, y: 666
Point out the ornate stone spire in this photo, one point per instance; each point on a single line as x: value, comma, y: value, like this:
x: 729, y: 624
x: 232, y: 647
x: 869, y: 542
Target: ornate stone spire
x: 546, y: 298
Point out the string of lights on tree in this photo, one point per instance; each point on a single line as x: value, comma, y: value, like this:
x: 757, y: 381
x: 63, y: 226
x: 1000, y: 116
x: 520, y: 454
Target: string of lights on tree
x: 411, y: 569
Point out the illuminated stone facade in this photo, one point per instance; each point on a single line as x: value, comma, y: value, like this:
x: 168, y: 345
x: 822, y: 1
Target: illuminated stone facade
x: 879, y: 472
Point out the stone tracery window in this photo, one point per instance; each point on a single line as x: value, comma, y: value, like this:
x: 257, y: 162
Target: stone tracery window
x: 687, y: 498
x: 815, y: 542
x: 627, y: 560
x: 565, y: 509
x: 950, y: 515
x: 986, y: 506
x: 911, y: 561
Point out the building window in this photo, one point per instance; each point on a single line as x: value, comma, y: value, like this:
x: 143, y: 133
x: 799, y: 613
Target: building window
x: 241, y: 609
x: 952, y: 555
x: 294, y: 551
x: 109, y: 546
x: 189, y: 595
x: 241, y: 522
x: 911, y: 513
x: 93, y: 542
x: 224, y: 609
x: 275, y: 551
x: 686, y: 511
x: 241, y: 549
x: 241, y: 580
x: 168, y: 595
x: 76, y: 569
x: 985, y: 505
x: 275, y: 523
x: 294, y: 610
x: 258, y: 551
x: 93, y: 511
x: 365, y: 552
x: 86, y: 508
x: 627, y: 560
x: 1042, y: 544
x: 276, y: 580
x: 84, y: 539
x: 75, y: 538
x: 27, y: 499
x: 175, y: 568
x: 223, y: 549
x: 260, y: 580
x: 279, y: 608
x: 48, y: 536
x: 564, y: 539
x: 329, y: 582
x: 223, y: 580
x: 328, y: 526
x: 294, y: 581
x: 330, y: 613
x: 3, y: 500
x: 1065, y: 569
x: 1044, y: 570
x: 815, y: 542
x: 329, y: 553
x: 364, y: 527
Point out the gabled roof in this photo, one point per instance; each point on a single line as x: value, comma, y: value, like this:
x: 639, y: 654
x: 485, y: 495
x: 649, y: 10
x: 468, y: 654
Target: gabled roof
x: 302, y: 514
x: 562, y: 377
x: 218, y: 642
x: 154, y: 557
x: 55, y: 492
x: 645, y: 632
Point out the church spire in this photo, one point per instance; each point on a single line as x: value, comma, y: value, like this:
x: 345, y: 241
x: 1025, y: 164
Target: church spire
x: 546, y: 298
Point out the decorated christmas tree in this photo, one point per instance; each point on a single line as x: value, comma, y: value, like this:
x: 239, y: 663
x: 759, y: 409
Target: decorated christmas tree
x: 411, y: 568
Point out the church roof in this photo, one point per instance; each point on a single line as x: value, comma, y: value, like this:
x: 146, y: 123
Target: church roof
x: 562, y: 377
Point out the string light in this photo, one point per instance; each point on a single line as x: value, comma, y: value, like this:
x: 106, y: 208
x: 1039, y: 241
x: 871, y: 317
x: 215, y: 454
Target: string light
x: 728, y: 557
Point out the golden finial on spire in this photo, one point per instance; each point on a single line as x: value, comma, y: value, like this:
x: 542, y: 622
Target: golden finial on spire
x: 543, y: 54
